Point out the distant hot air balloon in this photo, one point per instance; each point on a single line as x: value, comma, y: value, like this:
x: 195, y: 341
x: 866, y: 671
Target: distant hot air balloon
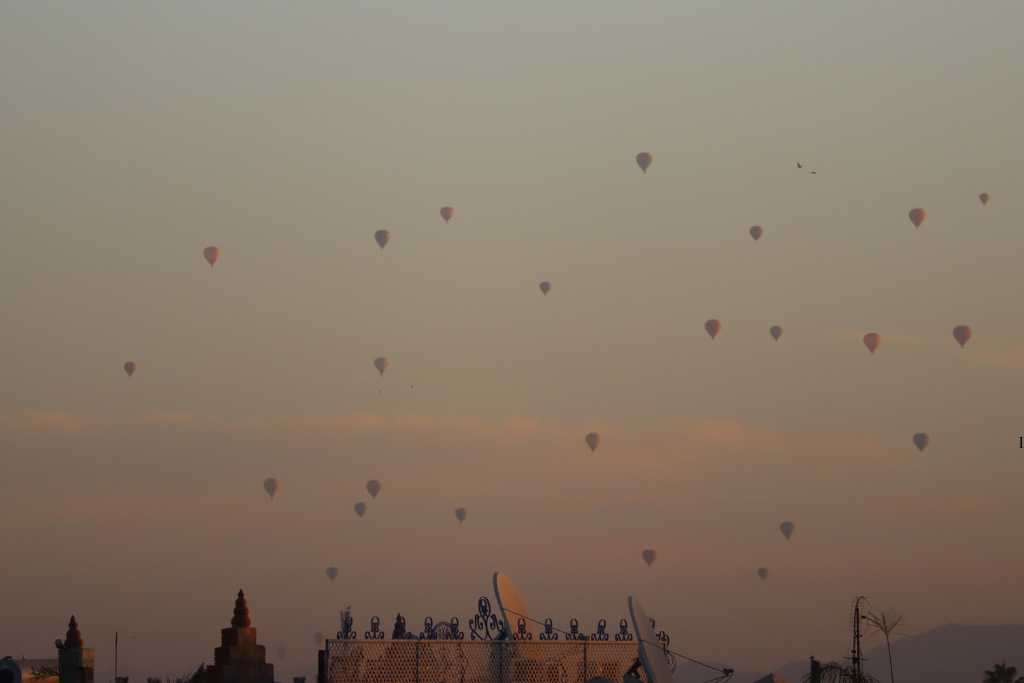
x: 763, y: 573
x: 921, y: 440
x: 360, y: 508
x: 447, y: 212
x: 460, y: 514
x: 129, y: 368
x: 756, y: 231
x: 872, y: 340
x: 775, y: 331
x: 917, y: 217
x: 270, y: 486
x: 649, y: 556
x: 643, y: 160
x: 962, y: 334
x: 545, y: 287
x: 787, y: 529
x: 713, y: 327
x: 373, y: 488
x: 381, y: 364
x: 983, y: 197
x: 332, y: 573
x: 382, y: 237
x: 593, y: 440
x: 211, y: 254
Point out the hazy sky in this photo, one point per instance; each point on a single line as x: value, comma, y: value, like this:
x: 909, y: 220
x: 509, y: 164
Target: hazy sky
x: 132, y: 135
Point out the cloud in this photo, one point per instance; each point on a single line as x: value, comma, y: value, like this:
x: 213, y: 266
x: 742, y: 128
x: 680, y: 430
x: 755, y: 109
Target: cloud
x: 45, y: 422
x: 1011, y: 358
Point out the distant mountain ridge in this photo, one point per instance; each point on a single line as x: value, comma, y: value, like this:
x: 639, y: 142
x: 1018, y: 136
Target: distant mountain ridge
x: 953, y: 653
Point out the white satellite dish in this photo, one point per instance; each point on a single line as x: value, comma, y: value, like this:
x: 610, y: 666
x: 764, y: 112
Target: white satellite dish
x: 651, y: 654
x: 512, y: 606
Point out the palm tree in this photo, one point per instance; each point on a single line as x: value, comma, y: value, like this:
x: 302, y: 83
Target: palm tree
x: 1000, y: 673
x: 834, y: 672
x: 885, y: 625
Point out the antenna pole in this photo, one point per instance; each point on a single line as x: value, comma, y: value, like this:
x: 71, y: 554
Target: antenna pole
x: 856, y: 655
x: 115, y: 656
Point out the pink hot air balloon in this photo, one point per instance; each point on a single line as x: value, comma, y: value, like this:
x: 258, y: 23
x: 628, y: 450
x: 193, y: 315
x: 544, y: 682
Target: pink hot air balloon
x: 756, y: 231
x: 593, y: 440
x: 332, y: 573
x: 643, y: 160
x: 921, y: 440
x: 211, y: 254
x: 917, y: 217
x: 713, y: 327
x: 545, y: 287
x: 649, y: 556
x: 460, y: 514
x: 373, y: 488
x: 447, y: 212
x: 360, y: 508
x: 983, y: 198
x: 129, y: 368
x: 381, y: 364
x: 775, y: 331
x: 270, y: 486
x: 962, y: 334
x: 382, y: 237
x: 872, y: 340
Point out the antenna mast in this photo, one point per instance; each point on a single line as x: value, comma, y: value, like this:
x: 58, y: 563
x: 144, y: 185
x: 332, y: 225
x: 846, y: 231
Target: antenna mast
x: 856, y: 654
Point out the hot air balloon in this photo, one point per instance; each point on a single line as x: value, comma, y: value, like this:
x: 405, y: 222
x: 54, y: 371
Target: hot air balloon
x: 460, y: 514
x: 129, y: 368
x: 545, y: 287
x: 775, y: 331
x: 447, y: 212
x: 270, y: 486
x: 382, y: 237
x: 872, y: 340
x: 211, y: 254
x: 332, y: 573
x: 917, y: 217
x: 921, y: 440
x: 593, y: 440
x: 713, y: 327
x: 360, y: 508
x: 756, y: 231
x: 983, y: 198
x: 649, y: 556
x: 373, y: 488
x: 381, y: 364
x: 962, y: 334
x: 763, y: 573
x: 787, y: 529
x: 643, y: 160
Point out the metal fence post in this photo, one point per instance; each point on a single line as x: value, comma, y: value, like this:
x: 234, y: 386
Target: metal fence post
x: 586, y: 674
x: 417, y: 661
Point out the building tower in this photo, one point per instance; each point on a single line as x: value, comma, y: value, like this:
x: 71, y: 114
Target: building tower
x: 75, y: 662
x: 239, y: 659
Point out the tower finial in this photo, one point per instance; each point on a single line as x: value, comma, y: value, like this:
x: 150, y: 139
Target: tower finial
x: 73, y: 639
x: 241, y: 617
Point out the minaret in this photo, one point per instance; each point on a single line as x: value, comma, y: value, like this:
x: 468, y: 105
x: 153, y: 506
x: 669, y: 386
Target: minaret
x: 240, y: 659
x: 75, y: 662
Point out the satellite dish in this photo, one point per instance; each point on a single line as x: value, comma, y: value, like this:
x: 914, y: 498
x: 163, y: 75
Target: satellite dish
x: 512, y: 606
x: 654, y: 660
